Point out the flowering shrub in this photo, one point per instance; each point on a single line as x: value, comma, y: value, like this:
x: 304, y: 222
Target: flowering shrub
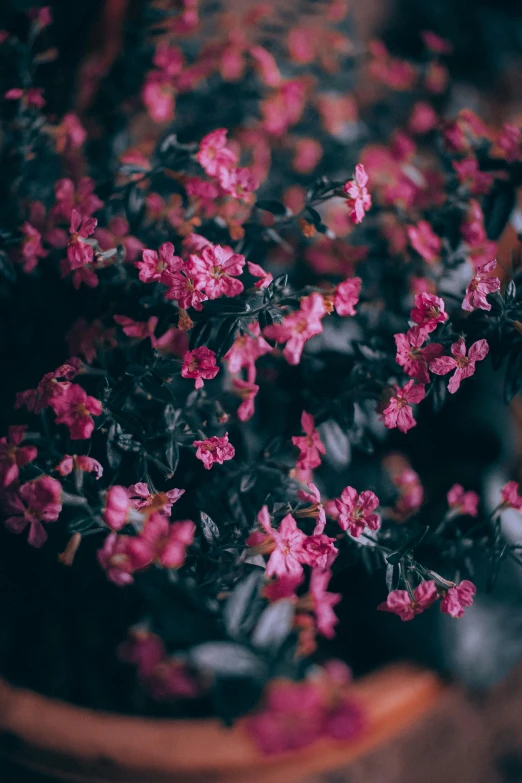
x: 257, y: 276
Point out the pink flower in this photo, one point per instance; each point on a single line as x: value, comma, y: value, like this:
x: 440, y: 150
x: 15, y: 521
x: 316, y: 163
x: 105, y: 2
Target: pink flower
x: 310, y: 445
x: 320, y: 549
x: 469, y: 174
x: 463, y: 365
x: 359, y: 200
x: 117, y: 233
x: 31, y: 250
x: 398, y: 413
x: 458, y: 598
x: 80, y: 197
x: 120, y: 557
x: 347, y: 296
x: 510, y: 142
x: 356, y: 511
x: 435, y: 44
x: 289, y: 554
x: 158, y: 95
x: 428, y: 311
x: 32, y: 97
x: 215, y: 271
x: 213, y: 450
x: 148, y: 503
x: 79, y: 462
x: 139, y: 329
x: 200, y: 364
x: 156, y: 266
x: 412, y: 357
x: 239, y: 183
x: 166, y: 543
x: 246, y: 349
x: 463, y: 502
x: 49, y: 387
x: 313, y: 496
x: 411, y: 493
x: 266, y: 66
x: 213, y: 155
x: 423, y: 118
x: 117, y: 507
x: 248, y: 392
x: 282, y: 587
x: 400, y: 602
x: 292, y: 717
x: 425, y: 241
x: 324, y: 602
x: 258, y: 271
x: 299, y: 327
x: 510, y: 496
x: 480, y: 286
x: 74, y: 408
x: 79, y: 253
x: 35, y: 502
x: 13, y: 456
x: 182, y: 289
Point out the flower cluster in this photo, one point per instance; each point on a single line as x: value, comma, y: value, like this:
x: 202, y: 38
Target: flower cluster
x: 245, y: 316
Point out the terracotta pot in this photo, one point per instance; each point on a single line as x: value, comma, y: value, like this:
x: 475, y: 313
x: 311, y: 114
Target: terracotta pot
x: 85, y: 746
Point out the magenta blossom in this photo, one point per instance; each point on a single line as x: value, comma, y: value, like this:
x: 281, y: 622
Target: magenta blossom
x: 258, y: 271
x: 121, y: 556
x: 310, y: 445
x: 13, y: 456
x: 214, y: 272
x: 289, y: 555
x: 239, y: 183
x: 324, y: 602
x: 406, y: 606
x: 139, y: 329
x: 213, y: 450
x: 246, y: 349
x: 428, y: 311
x: 463, y: 365
x: 413, y: 357
x: 463, y: 502
x: 146, y: 502
x: 164, y: 542
x: 292, y: 717
x: 183, y: 290
x: 359, y: 200
x: 213, y: 155
x: 398, y: 412
x: 458, y: 598
x: 75, y: 408
x: 36, y: 400
x: 425, y: 241
x: 356, y: 511
x: 510, y: 496
x: 347, y: 295
x: 200, y: 364
x: 248, y: 392
x: 79, y: 253
x: 80, y: 197
x: 79, y: 462
x: 117, y: 507
x: 35, y: 502
x: 31, y: 249
x: 480, y: 286
x: 299, y: 327
x: 156, y: 266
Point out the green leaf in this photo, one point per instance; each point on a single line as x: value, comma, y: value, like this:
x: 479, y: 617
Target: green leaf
x: 209, y: 529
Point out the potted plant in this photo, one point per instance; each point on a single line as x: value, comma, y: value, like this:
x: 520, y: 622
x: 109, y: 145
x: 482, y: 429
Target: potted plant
x: 246, y: 282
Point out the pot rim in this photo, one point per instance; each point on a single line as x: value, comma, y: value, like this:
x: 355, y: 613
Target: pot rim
x: 51, y: 735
